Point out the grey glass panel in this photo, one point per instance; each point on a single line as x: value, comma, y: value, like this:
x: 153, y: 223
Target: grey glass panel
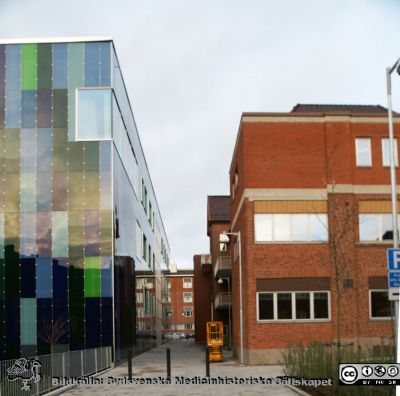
x: 281, y: 227
x: 13, y: 109
x: 284, y: 305
x: 60, y: 70
x: 44, y: 108
x: 59, y: 222
x: 91, y: 64
x: 94, y: 114
x: 319, y: 227
x: 300, y: 227
x: 13, y: 86
x: 369, y: 227
x: 28, y: 192
x: 263, y: 227
x: 28, y: 109
x: 105, y: 64
x: 43, y: 191
x: 28, y: 234
x: 44, y: 150
x: 28, y: 150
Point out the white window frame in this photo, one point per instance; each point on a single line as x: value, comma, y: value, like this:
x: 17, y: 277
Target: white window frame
x: 369, y: 165
x: 188, y: 309
x: 396, y: 153
x: 293, y: 301
x: 186, y: 283
x: 191, y: 297
x: 380, y: 240
x: 370, y: 305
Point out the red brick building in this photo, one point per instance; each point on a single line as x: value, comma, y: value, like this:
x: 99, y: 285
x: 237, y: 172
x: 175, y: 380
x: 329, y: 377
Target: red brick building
x: 178, y: 302
x: 310, y: 196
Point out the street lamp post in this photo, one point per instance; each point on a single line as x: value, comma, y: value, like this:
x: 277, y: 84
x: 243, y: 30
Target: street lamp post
x: 223, y: 238
x: 220, y: 281
x: 393, y: 189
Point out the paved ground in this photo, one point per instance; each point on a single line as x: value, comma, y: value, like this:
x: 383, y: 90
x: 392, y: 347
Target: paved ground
x: 187, y: 360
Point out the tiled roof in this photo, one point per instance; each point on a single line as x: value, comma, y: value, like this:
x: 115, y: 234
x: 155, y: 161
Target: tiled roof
x: 218, y: 208
x: 340, y: 109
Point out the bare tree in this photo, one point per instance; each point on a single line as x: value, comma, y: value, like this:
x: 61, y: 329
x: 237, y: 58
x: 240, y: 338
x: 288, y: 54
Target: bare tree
x: 53, y: 330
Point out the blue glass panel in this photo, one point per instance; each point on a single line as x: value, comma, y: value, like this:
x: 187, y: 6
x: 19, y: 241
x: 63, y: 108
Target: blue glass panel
x: 28, y: 150
x: 28, y: 109
x: 44, y: 108
x: 28, y: 234
x: 106, y: 321
x: 28, y: 281
x: 44, y: 150
x: 105, y: 64
x: 44, y: 284
x: 106, y: 280
x: 105, y: 156
x: 28, y: 321
x: 44, y: 313
x: 12, y: 322
x: 60, y: 278
x: 13, y: 86
x: 13, y: 112
x: 60, y: 64
x: 91, y: 64
x: 93, y: 325
x: 43, y: 191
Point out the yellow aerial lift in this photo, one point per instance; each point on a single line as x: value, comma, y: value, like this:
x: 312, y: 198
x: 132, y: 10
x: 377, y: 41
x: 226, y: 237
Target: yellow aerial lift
x: 215, y: 340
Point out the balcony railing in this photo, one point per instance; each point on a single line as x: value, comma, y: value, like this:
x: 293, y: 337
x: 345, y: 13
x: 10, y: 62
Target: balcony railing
x: 223, y: 267
x: 223, y: 300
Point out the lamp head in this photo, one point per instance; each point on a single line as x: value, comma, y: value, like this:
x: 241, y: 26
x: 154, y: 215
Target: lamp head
x: 220, y: 281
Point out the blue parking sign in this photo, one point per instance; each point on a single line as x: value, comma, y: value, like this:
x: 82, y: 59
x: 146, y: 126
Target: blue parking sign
x: 393, y: 259
x: 394, y: 279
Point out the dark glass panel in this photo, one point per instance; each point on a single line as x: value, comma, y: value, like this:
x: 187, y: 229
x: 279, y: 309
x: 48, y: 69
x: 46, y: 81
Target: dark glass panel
x: 28, y: 273
x: 43, y: 191
x: 106, y: 321
x: 92, y: 187
x: 44, y: 108
x: 92, y: 156
x: 44, y: 283
x: 12, y: 326
x: 302, y: 305
x: 60, y: 152
x: 28, y: 109
x: 266, y: 306
x: 92, y: 233
x: 284, y: 305
x: 60, y: 187
x: 76, y: 282
x: 44, y: 323
x: 321, y: 305
x: 12, y: 272
x: 43, y: 234
x: 28, y: 350
x: 60, y: 63
x: 105, y: 64
x: 44, y: 65
x: 60, y: 317
x: 75, y: 191
x: 92, y: 322
x: 75, y: 156
x: 44, y: 150
x: 60, y: 277
x: 92, y: 64
x: 76, y: 233
x: 2, y: 281
x: 60, y: 110
x: 76, y: 328
x: 2, y: 328
x: 380, y: 304
x: 12, y: 146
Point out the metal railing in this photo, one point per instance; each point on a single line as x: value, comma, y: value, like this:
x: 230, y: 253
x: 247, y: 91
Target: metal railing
x: 61, y: 365
x: 223, y: 300
x: 223, y: 267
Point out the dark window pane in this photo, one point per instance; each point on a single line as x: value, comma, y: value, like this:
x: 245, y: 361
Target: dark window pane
x: 284, y: 306
x: 302, y: 305
x: 44, y: 65
x: 321, y: 305
x: 60, y: 111
x: 44, y: 108
x: 380, y: 305
x: 265, y: 306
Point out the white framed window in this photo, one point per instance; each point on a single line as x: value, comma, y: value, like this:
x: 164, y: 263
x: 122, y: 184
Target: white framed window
x: 188, y: 311
x: 307, y: 227
x: 379, y: 305
x: 187, y: 297
x: 363, y: 152
x: 139, y: 298
x: 189, y: 326
x: 187, y: 283
x: 386, y: 152
x: 375, y: 227
x: 180, y: 327
x: 293, y: 306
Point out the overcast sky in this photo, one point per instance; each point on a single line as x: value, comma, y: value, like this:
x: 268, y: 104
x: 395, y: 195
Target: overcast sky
x: 192, y: 67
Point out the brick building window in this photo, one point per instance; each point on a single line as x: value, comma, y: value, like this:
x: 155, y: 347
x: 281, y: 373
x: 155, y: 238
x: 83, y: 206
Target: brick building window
x: 189, y: 326
x: 188, y: 311
x: 305, y: 227
x: 379, y: 304
x: 386, y: 152
x: 293, y: 306
x: 376, y: 227
x: 187, y: 297
x: 363, y: 152
x: 187, y: 283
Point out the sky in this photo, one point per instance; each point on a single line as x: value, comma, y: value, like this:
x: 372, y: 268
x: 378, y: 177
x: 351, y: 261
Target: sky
x: 192, y: 67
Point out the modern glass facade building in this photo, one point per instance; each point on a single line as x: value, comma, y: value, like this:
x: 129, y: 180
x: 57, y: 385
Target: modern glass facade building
x: 78, y: 214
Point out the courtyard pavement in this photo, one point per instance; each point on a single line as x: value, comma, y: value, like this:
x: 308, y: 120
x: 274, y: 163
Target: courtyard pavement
x: 188, y: 361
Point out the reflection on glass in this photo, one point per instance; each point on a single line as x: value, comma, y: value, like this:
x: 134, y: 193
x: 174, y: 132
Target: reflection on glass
x: 263, y: 227
x: 282, y: 227
x: 266, y: 306
x: 76, y: 233
x: 43, y: 234
x: 28, y: 234
x: 28, y: 192
x: 321, y: 305
x: 92, y: 233
x: 386, y: 152
x: 60, y: 187
x: 60, y: 109
x: 28, y: 321
x: 363, y: 152
x: 59, y: 221
x: 300, y: 227
x: 302, y: 305
x: 43, y: 277
x: 60, y: 153
x: 380, y: 304
x: 319, y: 227
x: 387, y: 227
x: 94, y: 114
x: 44, y: 108
x: 28, y: 109
x: 60, y: 65
x: 43, y: 191
x: 28, y: 150
x: 369, y: 227
x: 284, y: 305
x: 44, y: 149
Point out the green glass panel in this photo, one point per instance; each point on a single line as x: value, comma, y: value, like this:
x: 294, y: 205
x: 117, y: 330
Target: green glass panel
x: 60, y: 152
x: 44, y: 66
x: 92, y: 156
x: 12, y: 197
x: 28, y: 192
x: 106, y: 232
x: 59, y: 235
x: 76, y: 77
x: 60, y: 108
x: 12, y: 146
x: 75, y: 156
x: 92, y: 190
x: 29, y: 66
x: 75, y: 191
x: 28, y: 321
x: 92, y: 277
x: 76, y: 234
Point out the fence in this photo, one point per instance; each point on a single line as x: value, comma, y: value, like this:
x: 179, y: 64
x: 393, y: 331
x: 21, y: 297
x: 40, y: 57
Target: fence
x: 66, y: 364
